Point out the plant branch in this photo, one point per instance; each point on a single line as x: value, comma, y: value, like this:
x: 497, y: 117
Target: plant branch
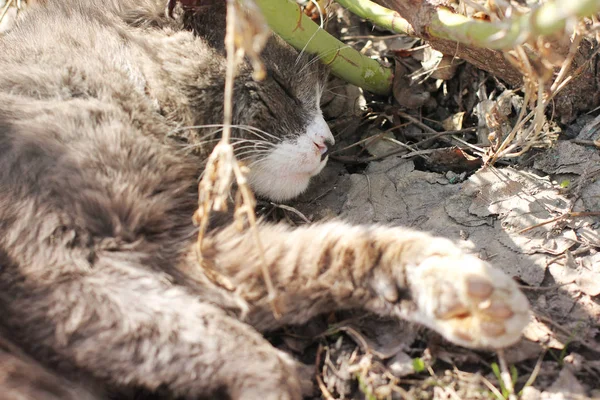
x: 378, y: 15
x: 445, y: 24
x: 285, y: 17
x: 544, y: 20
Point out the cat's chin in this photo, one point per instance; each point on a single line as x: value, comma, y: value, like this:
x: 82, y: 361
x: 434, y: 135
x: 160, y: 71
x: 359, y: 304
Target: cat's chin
x: 285, y: 174
x: 280, y: 188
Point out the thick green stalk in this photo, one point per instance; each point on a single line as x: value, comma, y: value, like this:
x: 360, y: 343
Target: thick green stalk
x: 549, y: 18
x: 552, y: 17
x: 286, y: 19
x: 446, y: 24
x: 545, y: 20
x: 378, y: 15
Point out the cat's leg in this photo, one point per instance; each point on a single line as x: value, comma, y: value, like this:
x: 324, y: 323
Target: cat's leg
x: 390, y: 271
x: 90, y: 235
x: 21, y: 378
x: 130, y: 327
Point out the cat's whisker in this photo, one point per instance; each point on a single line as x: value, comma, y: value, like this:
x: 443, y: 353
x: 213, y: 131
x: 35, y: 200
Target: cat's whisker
x: 235, y: 142
x: 312, y: 60
x: 321, y: 55
x: 255, y: 163
x: 200, y: 143
x: 251, y: 148
x: 321, y: 23
x: 247, y: 128
x: 239, y: 155
x: 189, y: 127
x: 247, y: 155
x: 331, y: 88
x: 255, y: 131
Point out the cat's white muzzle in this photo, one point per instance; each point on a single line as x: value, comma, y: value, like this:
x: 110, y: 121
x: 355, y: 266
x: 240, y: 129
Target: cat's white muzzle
x: 286, y: 171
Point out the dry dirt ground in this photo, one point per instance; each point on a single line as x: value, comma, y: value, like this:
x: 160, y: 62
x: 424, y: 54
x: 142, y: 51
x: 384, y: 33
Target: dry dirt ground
x: 537, y: 217
x: 522, y: 221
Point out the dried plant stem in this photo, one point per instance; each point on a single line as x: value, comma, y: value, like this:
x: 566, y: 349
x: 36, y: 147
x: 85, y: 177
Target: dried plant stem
x: 533, y: 132
x: 222, y: 166
x: 566, y: 66
x: 521, y: 120
x: 324, y: 391
x: 572, y: 214
x: 5, y: 9
x: 536, y: 370
x: 492, y: 388
x: 505, y: 375
x: 292, y: 210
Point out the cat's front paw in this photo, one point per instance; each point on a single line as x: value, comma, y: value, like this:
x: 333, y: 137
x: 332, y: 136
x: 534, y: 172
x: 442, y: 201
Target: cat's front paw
x: 460, y: 296
x: 468, y: 301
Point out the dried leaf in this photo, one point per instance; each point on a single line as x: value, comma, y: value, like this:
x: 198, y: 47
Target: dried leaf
x: 454, y: 122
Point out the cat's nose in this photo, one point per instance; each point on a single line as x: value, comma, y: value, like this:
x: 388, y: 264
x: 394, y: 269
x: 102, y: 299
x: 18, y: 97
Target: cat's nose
x: 321, y: 136
x: 324, y: 148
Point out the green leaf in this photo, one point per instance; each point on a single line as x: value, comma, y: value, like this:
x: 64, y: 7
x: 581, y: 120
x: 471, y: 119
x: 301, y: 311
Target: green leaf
x: 496, y: 371
x: 418, y: 364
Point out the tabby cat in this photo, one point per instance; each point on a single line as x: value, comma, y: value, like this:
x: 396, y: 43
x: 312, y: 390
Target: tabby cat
x: 101, y: 292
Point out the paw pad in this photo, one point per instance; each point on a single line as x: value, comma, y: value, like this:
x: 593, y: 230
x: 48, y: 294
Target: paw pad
x: 469, y: 302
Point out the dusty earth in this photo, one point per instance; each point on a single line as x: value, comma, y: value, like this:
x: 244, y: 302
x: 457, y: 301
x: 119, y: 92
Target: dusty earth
x: 522, y: 221
x: 536, y: 217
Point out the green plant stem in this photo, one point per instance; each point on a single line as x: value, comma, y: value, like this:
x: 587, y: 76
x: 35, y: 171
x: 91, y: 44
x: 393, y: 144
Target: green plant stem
x: 545, y: 20
x: 378, y: 15
x: 553, y: 16
x: 286, y: 19
x: 445, y: 24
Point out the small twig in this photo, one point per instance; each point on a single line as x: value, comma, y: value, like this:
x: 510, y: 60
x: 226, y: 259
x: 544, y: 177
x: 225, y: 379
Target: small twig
x: 492, y: 388
x: 320, y: 382
x: 545, y: 288
x: 418, y: 123
x: 403, y: 393
x: 566, y: 66
x: 352, y: 160
x: 406, y: 146
x: 505, y: 375
x: 432, y: 131
x: 446, y: 133
x: 564, y: 331
x: 595, y: 143
x: 367, y: 139
x: 293, y: 210
x: 332, y: 367
x: 5, y: 9
x: 473, y: 147
x: 536, y: 370
x: 571, y: 214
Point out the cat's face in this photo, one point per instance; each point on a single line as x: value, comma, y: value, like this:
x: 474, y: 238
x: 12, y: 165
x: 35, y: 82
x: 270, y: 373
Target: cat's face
x: 281, y: 134
x: 294, y: 140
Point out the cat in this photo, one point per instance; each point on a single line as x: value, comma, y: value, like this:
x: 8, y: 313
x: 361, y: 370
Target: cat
x: 101, y: 291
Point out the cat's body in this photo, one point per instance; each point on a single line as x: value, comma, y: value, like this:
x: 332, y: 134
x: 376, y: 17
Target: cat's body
x: 99, y: 277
